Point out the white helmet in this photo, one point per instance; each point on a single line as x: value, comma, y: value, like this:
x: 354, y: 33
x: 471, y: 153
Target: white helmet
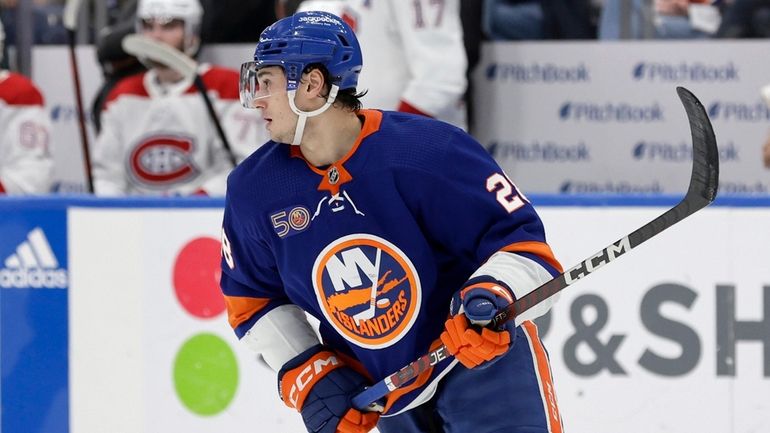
x: 189, y: 11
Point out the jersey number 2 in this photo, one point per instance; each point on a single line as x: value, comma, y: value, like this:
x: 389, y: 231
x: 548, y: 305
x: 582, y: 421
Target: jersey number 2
x: 506, y: 192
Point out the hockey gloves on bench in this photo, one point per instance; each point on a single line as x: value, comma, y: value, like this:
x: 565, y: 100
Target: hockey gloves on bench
x: 320, y: 386
x: 466, y: 334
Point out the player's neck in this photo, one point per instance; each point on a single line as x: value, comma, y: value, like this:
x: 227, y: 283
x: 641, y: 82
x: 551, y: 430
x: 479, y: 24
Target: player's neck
x: 330, y: 136
x: 167, y: 75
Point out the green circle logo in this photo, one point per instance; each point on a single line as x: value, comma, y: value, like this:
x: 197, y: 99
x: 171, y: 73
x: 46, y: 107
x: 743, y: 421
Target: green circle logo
x: 205, y: 374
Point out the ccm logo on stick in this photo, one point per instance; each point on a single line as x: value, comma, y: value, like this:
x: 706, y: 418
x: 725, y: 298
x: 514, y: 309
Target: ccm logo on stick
x: 597, y: 260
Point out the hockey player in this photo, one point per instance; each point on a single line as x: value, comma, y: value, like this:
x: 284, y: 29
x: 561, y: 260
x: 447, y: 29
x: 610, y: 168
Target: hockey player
x: 414, y: 52
x: 393, y: 230
x: 26, y: 166
x: 157, y: 137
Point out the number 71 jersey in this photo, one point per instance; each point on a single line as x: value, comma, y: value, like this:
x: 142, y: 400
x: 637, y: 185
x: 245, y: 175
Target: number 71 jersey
x: 375, y: 244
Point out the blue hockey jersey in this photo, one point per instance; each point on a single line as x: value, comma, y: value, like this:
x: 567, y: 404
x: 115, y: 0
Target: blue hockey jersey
x: 375, y: 244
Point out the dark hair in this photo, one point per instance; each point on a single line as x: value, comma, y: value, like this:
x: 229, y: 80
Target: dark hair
x: 346, y: 98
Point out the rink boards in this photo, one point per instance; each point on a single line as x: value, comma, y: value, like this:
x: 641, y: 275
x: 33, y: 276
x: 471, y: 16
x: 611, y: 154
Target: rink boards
x: 111, y: 320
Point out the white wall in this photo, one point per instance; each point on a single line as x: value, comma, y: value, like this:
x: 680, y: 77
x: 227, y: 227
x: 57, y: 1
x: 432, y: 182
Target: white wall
x: 583, y: 117
x: 127, y: 325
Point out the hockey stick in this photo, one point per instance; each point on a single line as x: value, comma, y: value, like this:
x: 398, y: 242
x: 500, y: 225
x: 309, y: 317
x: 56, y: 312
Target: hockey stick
x: 142, y: 46
x: 70, y: 19
x: 369, y: 312
x: 704, y: 181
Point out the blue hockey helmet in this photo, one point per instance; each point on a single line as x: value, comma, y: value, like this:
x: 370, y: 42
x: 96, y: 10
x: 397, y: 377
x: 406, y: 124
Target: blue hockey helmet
x: 311, y: 37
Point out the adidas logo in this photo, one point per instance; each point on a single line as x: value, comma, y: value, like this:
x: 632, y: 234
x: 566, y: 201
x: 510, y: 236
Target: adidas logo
x: 33, y: 265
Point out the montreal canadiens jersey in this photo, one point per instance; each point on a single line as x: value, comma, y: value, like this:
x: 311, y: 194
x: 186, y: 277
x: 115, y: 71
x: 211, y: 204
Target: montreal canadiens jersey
x: 26, y: 165
x: 160, y: 140
x: 375, y: 244
x: 412, y: 52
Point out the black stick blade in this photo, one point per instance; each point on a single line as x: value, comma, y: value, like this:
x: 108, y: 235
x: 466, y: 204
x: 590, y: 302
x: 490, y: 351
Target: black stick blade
x: 705, y: 165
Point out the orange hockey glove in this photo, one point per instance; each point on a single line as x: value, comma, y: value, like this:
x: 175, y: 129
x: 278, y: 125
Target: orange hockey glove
x: 472, y: 345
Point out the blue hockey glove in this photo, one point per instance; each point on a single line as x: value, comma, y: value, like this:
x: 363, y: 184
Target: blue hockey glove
x: 319, y: 384
x: 467, y: 335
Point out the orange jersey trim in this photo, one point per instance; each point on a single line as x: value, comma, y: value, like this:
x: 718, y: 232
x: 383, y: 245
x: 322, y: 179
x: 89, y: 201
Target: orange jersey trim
x: 372, y: 121
x: 241, y: 308
x: 539, y: 249
x: 545, y: 379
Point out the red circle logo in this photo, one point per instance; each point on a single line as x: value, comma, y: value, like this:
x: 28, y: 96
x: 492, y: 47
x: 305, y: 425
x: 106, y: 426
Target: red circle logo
x: 196, y: 278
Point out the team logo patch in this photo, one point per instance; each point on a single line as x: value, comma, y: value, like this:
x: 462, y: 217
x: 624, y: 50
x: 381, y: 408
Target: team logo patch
x: 290, y: 221
x: 368, y: 289
x: 162, y: 160
x: 334, y: 175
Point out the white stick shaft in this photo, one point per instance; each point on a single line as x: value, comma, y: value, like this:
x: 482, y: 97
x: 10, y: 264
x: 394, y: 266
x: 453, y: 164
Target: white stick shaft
x: 70, y: 15
x: 142, y: 46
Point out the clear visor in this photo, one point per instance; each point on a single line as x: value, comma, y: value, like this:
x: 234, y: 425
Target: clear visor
x: 251, y: 90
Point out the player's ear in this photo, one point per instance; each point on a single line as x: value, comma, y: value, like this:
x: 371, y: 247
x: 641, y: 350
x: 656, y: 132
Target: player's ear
x: 315, y: 83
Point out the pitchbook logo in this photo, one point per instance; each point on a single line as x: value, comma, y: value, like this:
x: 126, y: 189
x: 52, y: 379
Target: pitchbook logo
x: 680, y: 72
x: 619, y: 112
x: 368, y: 289
x: 538, y: 73
x: 33, y: 265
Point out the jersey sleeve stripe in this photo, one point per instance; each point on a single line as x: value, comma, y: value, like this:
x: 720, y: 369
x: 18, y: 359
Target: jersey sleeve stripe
x: 539, y: 249
x: 241, y: 308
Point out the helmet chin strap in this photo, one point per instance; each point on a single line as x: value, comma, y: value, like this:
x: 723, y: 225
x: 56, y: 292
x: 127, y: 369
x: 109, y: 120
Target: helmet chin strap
x: 303, y: 115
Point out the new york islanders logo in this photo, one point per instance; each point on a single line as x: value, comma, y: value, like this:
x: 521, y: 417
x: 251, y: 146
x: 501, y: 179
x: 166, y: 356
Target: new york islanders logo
x: 368, y: 289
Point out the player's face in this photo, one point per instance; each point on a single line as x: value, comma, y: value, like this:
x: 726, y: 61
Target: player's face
x: 169, y: 32
x: 274, y: 103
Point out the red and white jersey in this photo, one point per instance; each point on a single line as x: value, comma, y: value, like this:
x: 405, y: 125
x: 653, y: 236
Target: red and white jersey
x: 26, y: 165
x: 160, y: 140
x: 413, y: 54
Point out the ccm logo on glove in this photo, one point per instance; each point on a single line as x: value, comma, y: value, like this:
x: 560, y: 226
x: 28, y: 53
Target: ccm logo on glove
x: 296, y: 382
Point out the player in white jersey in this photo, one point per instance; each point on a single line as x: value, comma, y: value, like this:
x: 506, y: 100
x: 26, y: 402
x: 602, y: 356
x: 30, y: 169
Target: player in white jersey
x: 25, y: 161
x: 414, y: 54
x: 157, y: 137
